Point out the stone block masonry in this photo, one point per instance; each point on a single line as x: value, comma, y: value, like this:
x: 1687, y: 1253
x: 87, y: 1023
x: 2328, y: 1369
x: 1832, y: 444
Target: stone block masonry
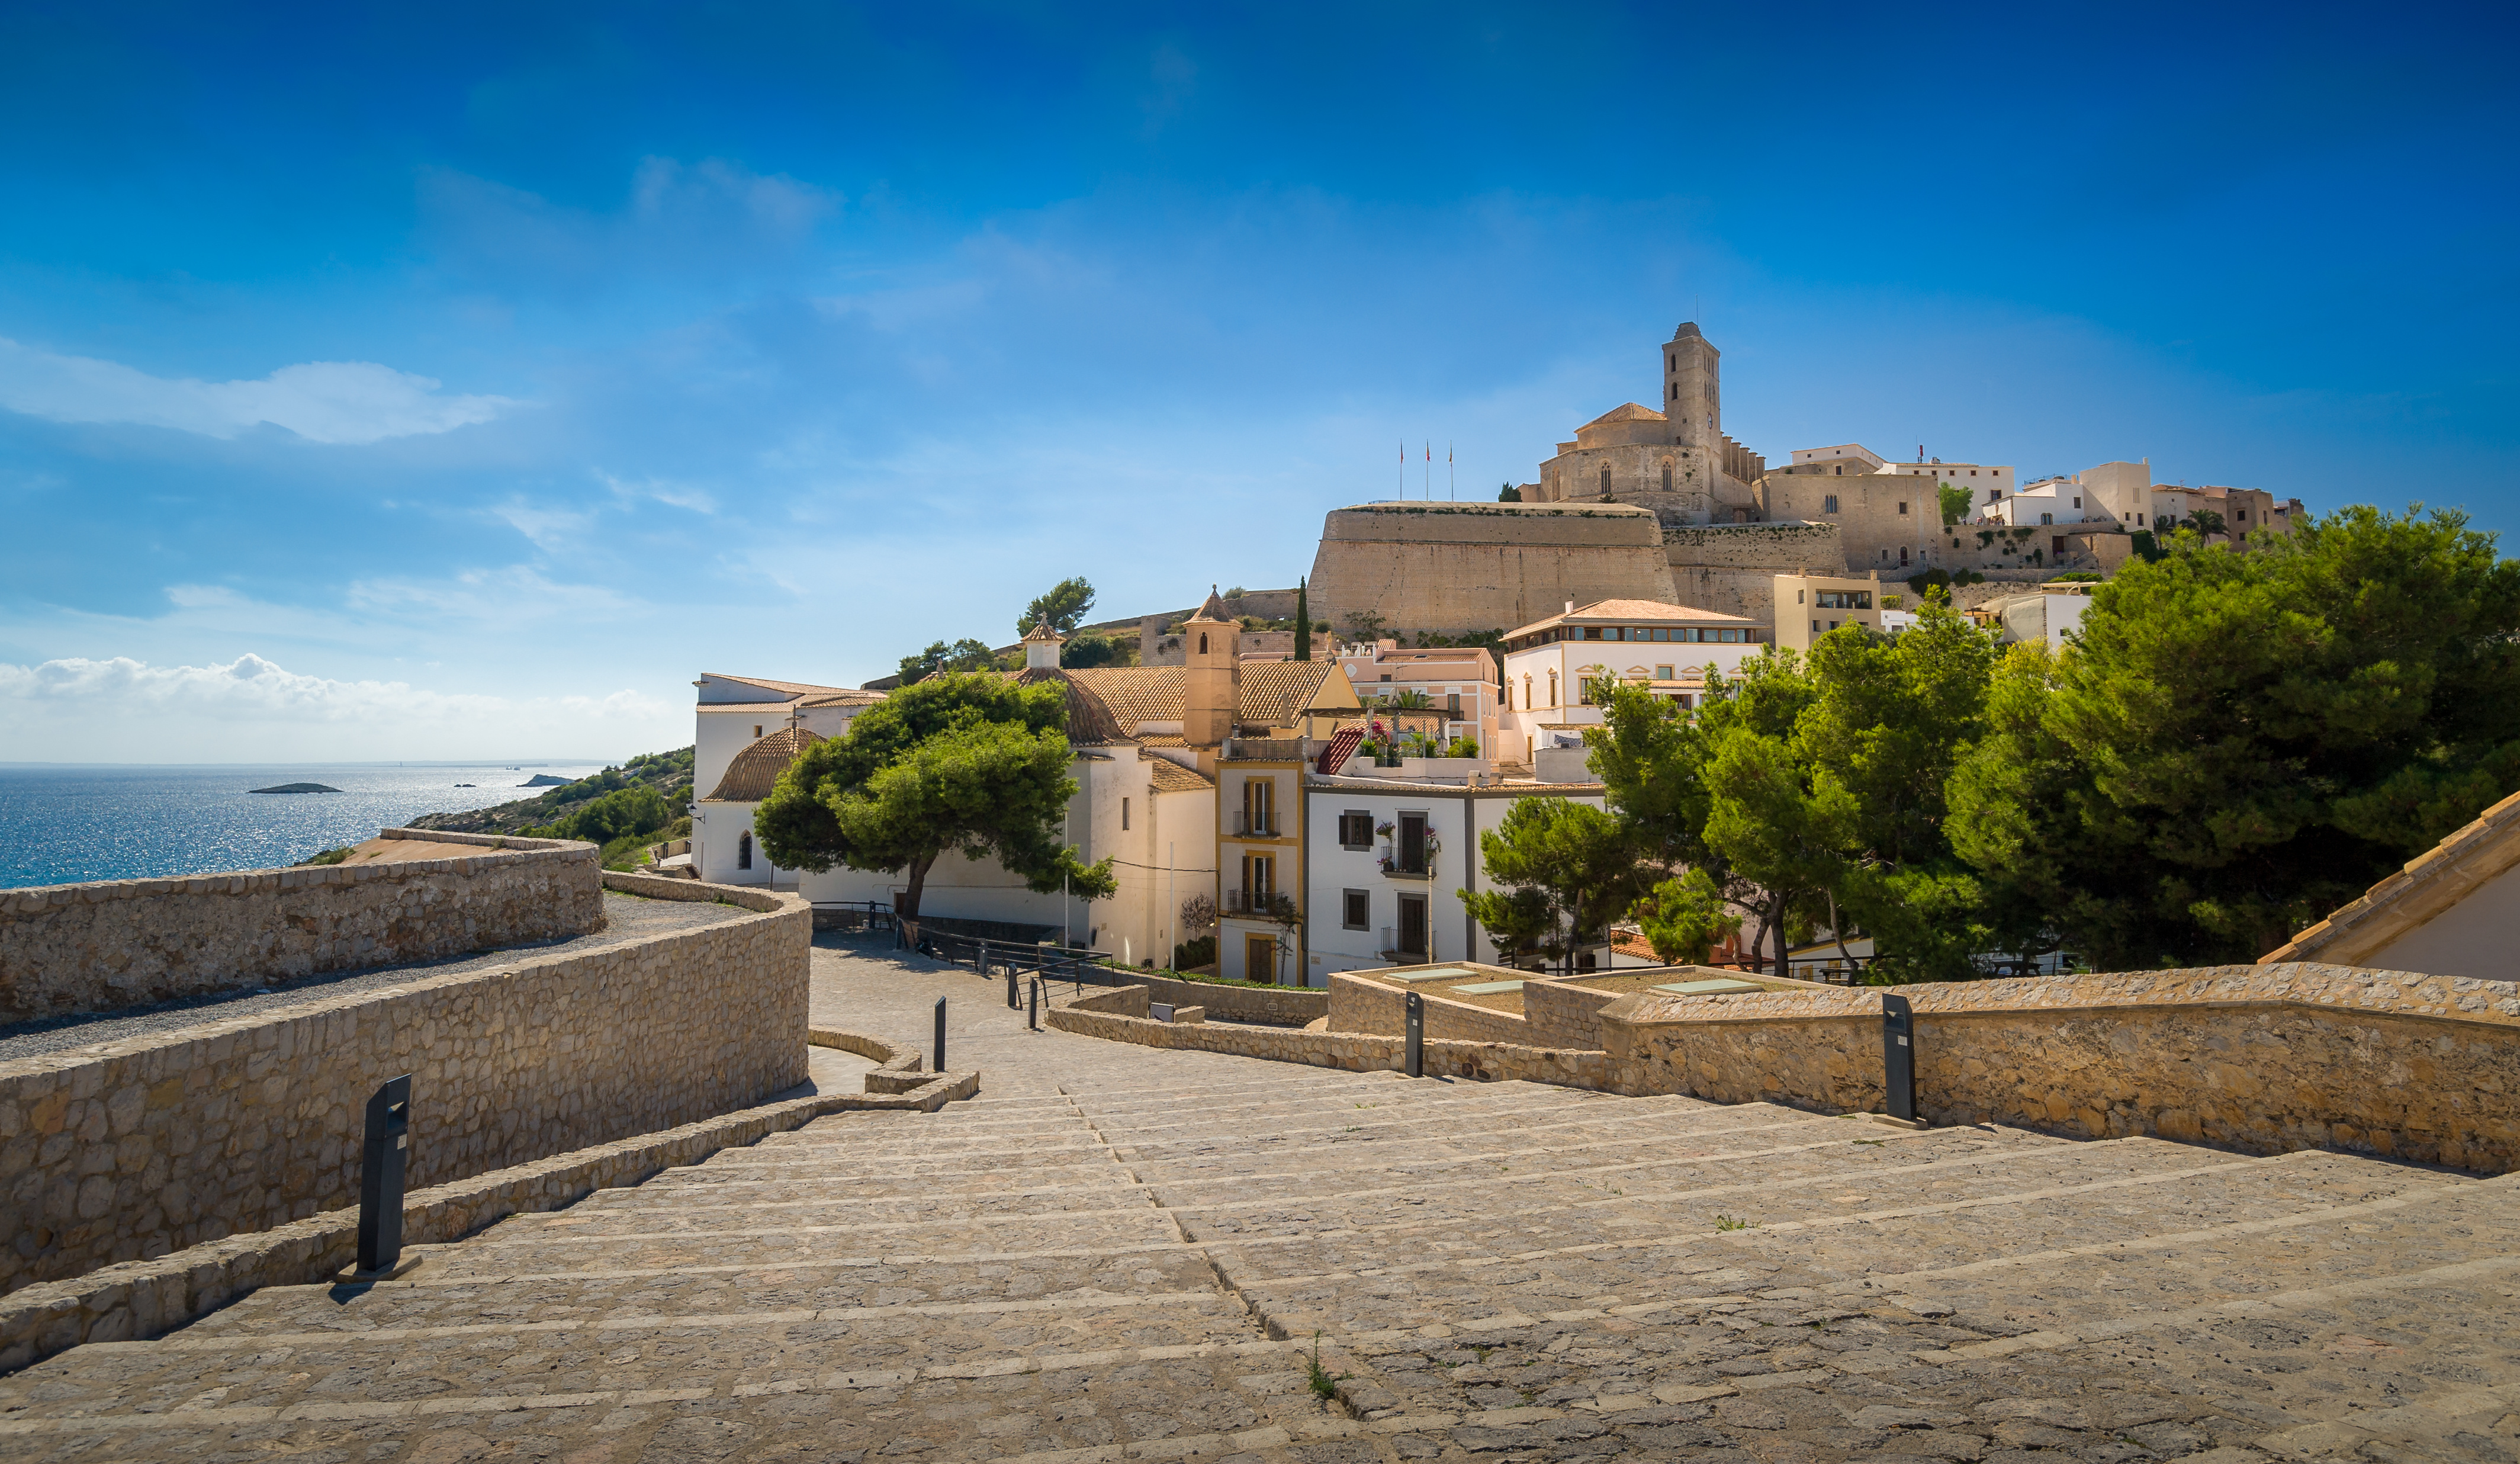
x: 131, y: 943
x: 133, y: 1149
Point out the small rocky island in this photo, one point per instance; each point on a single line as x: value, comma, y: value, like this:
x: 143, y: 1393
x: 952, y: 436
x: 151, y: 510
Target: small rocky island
x: 296, y: 788
x: 543, y: 780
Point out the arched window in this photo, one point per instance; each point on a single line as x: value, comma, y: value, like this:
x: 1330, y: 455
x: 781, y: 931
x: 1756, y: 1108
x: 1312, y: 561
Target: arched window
x: 1526, y: 693
x: 743, y: 851
x: 1666, y: 478
x: 1605, y: 480
x: 1553, y: 688
x: 1202, y: 643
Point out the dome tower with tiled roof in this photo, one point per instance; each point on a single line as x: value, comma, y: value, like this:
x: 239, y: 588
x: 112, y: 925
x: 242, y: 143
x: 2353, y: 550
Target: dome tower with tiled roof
x: 755, y: 770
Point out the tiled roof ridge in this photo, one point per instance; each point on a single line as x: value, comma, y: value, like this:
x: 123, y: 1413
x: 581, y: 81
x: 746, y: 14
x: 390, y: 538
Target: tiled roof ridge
x: 2466, y: 858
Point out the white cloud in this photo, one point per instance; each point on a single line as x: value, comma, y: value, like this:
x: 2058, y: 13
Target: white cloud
x: 78, y: 710
x: 351, y: 403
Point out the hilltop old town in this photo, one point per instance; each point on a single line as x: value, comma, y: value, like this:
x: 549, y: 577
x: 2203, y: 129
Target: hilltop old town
x: 1858, y: 956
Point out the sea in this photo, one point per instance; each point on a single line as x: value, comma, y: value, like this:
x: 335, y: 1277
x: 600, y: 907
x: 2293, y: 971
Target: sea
x: 60, y: 823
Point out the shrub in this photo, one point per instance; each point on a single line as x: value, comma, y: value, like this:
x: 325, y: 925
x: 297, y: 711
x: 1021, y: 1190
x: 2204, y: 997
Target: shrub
x: 1200, y: 951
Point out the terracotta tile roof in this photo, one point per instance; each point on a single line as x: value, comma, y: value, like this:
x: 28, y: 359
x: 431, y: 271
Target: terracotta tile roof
x: 845, y: 699
x: 1274, y: 693
x: 800, y: 688
x: 755, y: 708
x: 1163, y: 740
x: 1168, y: 776
x: 750, y: 776
x: 1625, y: 612
x: 1134, y: 694
x: 1089, y: 720
x: 2429, y: 884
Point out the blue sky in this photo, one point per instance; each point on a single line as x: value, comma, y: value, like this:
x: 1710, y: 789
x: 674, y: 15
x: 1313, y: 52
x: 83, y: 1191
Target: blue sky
x: 381, y: 384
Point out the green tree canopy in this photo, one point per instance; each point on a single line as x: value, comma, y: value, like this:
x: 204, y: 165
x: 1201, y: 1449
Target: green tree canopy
x: 1089, y: 648
x: 1682, y: 919
x: 1064, y: 606
x: 1954, y: 503
x: 1509, y: 494
x: 2238, y: 743
x: 959, y: 763
x: 1558, y: 863
x: 965, y: 655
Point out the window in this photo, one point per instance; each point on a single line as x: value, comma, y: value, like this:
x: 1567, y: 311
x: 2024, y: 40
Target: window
x: 1662, y: 673
x: 1356, y: 829
x: 756, y: 732
x: 1903, y: 505
x: 1828, y: 503
x: 1815, y: 627
x: 1728, y: 637
x: 1605, y: 480
x: 1844, y: 599
x: 1662, y: 635
x: 1798, y: 597
x: 1553, y: 688
x: 1258, y: 816
x: 1452, y: 705
x: 2139, y: 520
x: 743, y: 851
x: 1666, y: 478
x: 1838, y: 471
x: 1355, y: 909
x: 1202, y: 643
x: 1259, y: 879
x: 2047, y: 518
x: 1526, y: 691
x: 1903, y: 551
x: 1411, y: 852
x: 2078, y: 503
x: 1124, y: 815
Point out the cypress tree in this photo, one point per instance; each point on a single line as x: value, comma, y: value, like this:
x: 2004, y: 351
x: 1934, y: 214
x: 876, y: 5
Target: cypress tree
x: 1303, y: 622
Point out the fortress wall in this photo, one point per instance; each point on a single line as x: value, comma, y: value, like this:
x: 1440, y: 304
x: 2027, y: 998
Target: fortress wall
x: 128, y: 943
x: 140, y: 1147
x: 1455, y: 567
x: 1731, y: 567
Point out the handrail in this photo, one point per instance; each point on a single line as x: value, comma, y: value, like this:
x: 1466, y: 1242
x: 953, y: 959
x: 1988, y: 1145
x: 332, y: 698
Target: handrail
x: 1081, y: 965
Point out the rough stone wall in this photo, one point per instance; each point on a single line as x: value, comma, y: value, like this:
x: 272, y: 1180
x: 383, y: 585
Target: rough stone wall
x: 133, y: 1149
x: 2265, y: 1059
x: 1352, y: 1052
x: 1730, y: 567
x: 1280, y: 1006
x: 1358, y: 1005
x: 130, y: 942
x: 1560, y: 1016
x: 1456, y: 566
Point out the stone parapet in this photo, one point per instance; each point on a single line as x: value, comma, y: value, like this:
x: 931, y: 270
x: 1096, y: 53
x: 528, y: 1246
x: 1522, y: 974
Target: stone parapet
x: 143, y: 1298
x: 112, y: 943
x: 2263, y: 1058
x: 1105, y: 1015
x: 1278, y: 1006
x: 156, y: 1143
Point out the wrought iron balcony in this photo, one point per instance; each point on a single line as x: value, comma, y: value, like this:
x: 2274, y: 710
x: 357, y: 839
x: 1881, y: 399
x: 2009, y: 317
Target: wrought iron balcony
x: 1247, y: 825
x: 1259, y: 904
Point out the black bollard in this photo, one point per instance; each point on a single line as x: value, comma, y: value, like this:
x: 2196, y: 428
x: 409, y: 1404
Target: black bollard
x: 1014, y: 1001
x: 1416, y: 1035
x: 1899, y: 1056
x: 382, y: 1157
x: 940, y: 1033
x: 1033, y: 1019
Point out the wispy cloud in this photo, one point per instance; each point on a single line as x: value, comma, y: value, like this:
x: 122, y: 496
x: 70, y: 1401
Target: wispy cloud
x: 251, y: 705
x: 345, y: 402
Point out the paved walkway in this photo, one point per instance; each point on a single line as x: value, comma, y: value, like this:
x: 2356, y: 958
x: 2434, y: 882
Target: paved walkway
x: 1119, y: 1252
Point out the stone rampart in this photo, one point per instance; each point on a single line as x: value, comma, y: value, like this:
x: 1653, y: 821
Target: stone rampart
x: 1731, y: 567
x: 1454, y: 567
x: 1354, y: 1052
x: 2263, y: 1058
x: 130, y: 942
x: 136, y: 1148
x: 1358, y: 1005
x: 1278, y: 1006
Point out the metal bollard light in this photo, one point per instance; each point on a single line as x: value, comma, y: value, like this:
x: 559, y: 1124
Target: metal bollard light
x: 1014, y: 1000
x: 940, y: 1033
x: 1033, y: 1019
x: 1899, y: 1056
x: 1417, y: 1046
x: 383, y: 1155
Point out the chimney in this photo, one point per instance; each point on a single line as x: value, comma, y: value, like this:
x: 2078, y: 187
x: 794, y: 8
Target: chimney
x: 1570, y: 607
x: 1041, y: 647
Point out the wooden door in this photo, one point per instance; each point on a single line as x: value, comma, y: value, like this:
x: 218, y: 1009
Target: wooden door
x: 1259, y: 958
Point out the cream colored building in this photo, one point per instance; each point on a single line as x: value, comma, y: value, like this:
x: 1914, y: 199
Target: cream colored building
x: 1459, y: 682
x: 1555, y: 669
x: 1811, y: 605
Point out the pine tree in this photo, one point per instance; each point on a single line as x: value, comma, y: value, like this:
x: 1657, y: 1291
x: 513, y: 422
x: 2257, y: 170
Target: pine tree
x: 1303, y: 623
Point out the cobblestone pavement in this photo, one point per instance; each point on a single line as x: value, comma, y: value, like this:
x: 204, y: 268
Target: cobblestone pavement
x: 1122, y: 1253
x: 628, y: 917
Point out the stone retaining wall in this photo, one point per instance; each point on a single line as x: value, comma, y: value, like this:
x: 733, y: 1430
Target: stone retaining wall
x: 116, y: 943
x: 143, y: 1298
x: 1356, y: 1005
x: 156, y: 1143
x: 1279, y: 1006
x: 1354, y: 1052
x: 2263, y: 1058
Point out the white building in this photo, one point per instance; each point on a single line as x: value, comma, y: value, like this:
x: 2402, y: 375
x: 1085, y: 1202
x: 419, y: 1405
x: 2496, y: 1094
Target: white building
x: 1553, y: 668
x: 2115, y: 494
x: 1389, y: 859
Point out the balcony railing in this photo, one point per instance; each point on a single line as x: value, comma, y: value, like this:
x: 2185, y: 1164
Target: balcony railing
x: 1261, y: 904
x: 1263, y: 750
x: 1256, y: 825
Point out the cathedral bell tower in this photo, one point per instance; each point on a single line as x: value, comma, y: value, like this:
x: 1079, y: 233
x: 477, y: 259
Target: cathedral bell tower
x: 1692, y: 389
x: 1211, y: 673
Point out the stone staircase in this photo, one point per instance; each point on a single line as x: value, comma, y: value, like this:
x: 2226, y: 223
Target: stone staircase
x: 1123, y: 1253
